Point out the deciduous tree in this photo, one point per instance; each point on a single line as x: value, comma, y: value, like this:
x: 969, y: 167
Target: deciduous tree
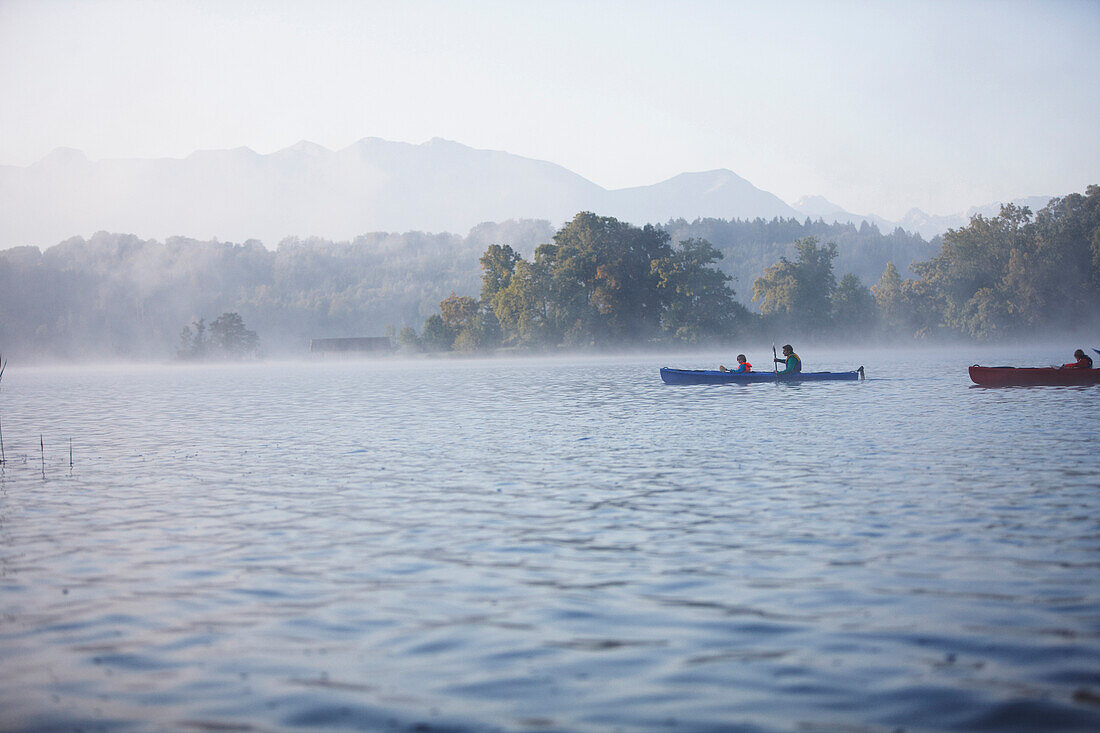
x: 697, y: 302
x: 799, y: 292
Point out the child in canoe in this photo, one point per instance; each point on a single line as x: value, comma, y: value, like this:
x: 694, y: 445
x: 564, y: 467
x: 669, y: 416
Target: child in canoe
x: 1084, y: 361
x: 742, y: 365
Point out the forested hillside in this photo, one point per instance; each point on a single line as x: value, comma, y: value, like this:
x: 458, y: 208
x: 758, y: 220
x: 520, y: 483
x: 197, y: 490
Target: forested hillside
x: 603, y: 282
x: 1016, y: 274
x: 115, y: 295
x: 749, y: 247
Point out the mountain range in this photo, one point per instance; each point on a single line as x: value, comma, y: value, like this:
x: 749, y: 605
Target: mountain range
x: 915, y: 220
x: 370, y: 186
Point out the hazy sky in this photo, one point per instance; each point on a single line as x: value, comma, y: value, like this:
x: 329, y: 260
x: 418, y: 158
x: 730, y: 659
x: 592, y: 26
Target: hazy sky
x: 878, y: 106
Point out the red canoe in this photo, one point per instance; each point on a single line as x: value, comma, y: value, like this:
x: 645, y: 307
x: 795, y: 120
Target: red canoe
x: 1032, y: 376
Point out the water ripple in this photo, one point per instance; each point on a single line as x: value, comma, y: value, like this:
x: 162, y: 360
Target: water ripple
x: 547, y: 545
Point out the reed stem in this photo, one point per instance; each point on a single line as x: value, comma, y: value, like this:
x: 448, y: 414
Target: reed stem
x: 3, y: 458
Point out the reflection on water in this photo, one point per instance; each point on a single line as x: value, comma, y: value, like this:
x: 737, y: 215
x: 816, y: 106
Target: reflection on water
x: 547, y: 545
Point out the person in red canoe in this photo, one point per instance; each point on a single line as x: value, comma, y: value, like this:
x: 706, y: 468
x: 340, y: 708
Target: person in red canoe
x: 1084, y: 361
x: 742, y: 365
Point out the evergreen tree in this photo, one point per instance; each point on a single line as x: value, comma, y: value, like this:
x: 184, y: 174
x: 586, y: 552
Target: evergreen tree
x: 435, y: 335
x: 854, y: 312
x: 800, y: 292
x: 230, y: 338
x: 698, y: 304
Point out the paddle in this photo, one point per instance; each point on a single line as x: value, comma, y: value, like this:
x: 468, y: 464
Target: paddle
x: 775, y: 366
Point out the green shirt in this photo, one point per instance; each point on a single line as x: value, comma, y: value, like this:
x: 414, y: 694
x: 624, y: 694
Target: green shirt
x: 794, y: 364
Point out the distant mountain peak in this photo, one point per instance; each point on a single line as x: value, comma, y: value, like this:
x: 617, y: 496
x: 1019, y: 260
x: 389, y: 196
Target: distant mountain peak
x: 717, y: 174
x: 720, y: 178
x: 242, y: 151
x: 64, y: 156
x: 819, y: 206
x: 450, y: 146
x: 307, y: 147
x: 994, y: 209
x: 372, y: 185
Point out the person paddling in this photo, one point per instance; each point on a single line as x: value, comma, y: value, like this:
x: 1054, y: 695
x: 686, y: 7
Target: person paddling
x: 1084, y: 361
x: 791, y: 359
x: 742, y: 365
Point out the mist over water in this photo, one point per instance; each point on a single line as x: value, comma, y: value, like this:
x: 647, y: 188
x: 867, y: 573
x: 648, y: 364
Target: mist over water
x: 549, y: 544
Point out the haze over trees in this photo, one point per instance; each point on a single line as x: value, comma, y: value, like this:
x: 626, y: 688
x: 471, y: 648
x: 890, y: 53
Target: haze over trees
x: 1011, y: 275
x: 804, y: 297
x: 598, y: 281
x: 115, y: 295
x: 602, y: 282
x: 1015, y: 274
x: 748, y: 247
x: 226, y: 338
x: 1008, y: 275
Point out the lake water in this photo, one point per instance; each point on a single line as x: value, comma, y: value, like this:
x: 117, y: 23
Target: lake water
x: 549, y: 545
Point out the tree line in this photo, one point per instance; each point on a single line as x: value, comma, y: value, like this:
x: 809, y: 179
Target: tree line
x: 595, y: 281
x: 1016, y: 274
x: 117, y: 295
x: 599, y: 282
x: 120, y: 296
x: 602, y: 282
x: 225, y: 338
x: 749, y: 247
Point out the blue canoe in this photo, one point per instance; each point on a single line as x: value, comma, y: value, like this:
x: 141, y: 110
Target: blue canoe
x: 707, y: 376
